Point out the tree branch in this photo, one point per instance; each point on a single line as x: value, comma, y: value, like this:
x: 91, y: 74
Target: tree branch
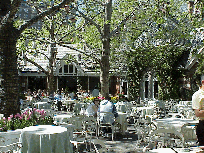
x: 14, y: 8
x: 43, y: 14
x: 79, y: 28
x: 99, y: 2
x: 67, y: 46
x: 122, y: 22
x: 11, y: 12
x: 80, y: 51
x: 90, y: 20
x: 36, y: 64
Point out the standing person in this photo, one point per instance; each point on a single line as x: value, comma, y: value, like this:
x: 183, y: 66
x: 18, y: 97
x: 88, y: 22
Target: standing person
x: 95, y: 92
x: 92, y: 109
x: 198, y: 107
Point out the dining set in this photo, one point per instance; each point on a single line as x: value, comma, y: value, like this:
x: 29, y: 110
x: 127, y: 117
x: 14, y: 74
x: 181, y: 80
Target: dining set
x: 72, y: 127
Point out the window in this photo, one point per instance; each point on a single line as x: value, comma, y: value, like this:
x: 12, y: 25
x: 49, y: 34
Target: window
x: 70, y: 68
x: 146, y: 89
x: 60, y: 70
x: 65, y: 68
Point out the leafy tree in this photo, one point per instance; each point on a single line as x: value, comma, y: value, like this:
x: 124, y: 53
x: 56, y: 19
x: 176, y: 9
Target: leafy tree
x: 160, y: 36
x: 9, y: 34
x: 43, y: 42
x: 100, y: 36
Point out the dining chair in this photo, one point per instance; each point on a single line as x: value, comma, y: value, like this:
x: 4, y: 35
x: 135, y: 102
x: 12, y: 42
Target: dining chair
x: 166, y: 136
x: 89, y: 124
x: 99, y: 146
x: 10, y: 141
x: 189, y: 132
x: 108, y: 117
x: 143, y: 127
x: 78, y: 131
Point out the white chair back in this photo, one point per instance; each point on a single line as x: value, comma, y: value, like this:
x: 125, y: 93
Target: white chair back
x: 9, y: 140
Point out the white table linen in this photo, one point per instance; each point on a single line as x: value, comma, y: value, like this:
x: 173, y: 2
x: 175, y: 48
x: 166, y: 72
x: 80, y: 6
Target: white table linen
x: 121, y: 107
x: 1, y: 116
x: 46, y: 139
x: 8, y: 138
x: 42, y: 105
x: 58, y: 119
x: 173, y: 123
x: 176, y: 124
x: 145, y: 110
x: 122, y: 120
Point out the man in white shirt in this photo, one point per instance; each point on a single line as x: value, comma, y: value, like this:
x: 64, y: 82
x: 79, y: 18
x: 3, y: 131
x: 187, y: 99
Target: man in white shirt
x: 198, y: 107
x: 107, y: 106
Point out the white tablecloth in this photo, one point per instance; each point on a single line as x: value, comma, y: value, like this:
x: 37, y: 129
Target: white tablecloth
x: 145, y: 110
x: 121, y: 107
x: 46, y: 139
x: 1, y: 116
x: 8, y: 138
x: 42, y: 105
x: 58, y: 119
x: 122, y: 120
x: 176, y: 124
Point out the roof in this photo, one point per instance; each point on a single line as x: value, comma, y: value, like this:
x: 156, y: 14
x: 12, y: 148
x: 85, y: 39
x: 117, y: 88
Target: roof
x: 85, y: 67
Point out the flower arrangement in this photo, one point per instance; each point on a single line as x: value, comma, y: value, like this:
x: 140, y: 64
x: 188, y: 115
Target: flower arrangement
x: 25, y: 119
x: 114, y: 99
x: 90, y: 99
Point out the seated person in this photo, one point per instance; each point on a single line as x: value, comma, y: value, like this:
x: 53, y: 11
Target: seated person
x: 58, y: 97
x: 107, y: 106
x: 92, y: 109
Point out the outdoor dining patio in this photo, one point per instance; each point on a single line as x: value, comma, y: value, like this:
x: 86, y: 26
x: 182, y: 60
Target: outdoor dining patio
x: 146, y: 127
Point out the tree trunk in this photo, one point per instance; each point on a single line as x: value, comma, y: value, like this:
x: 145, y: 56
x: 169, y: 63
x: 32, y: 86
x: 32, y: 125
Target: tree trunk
x: 105, y: 64
x: 8, y: 39
x: 51, y: 61
x: 104, y: 76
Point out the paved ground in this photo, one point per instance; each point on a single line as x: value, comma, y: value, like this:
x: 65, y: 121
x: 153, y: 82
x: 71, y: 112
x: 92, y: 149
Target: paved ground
x: 126, y: 143
x: 122, y: 143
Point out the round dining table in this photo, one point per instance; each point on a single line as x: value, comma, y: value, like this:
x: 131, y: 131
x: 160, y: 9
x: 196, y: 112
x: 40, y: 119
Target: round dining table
x: 58, y: 119
x: 46, y: 139
x: 42, y: 105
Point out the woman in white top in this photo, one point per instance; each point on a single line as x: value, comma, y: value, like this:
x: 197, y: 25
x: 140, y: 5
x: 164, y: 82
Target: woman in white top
x: 92, y: 109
